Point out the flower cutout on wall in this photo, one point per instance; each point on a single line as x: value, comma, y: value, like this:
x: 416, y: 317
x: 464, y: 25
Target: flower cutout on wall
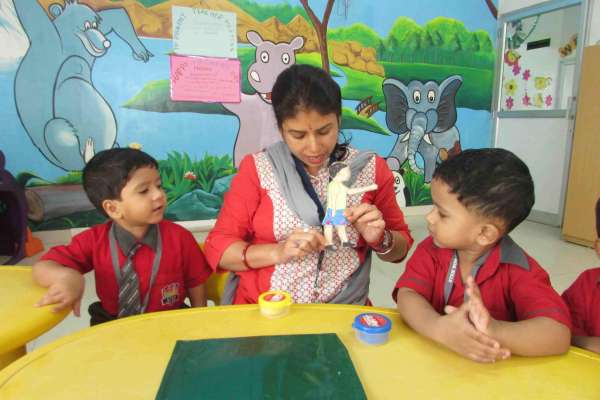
x: 526, y: 100
x: 526, y: 75
x: 510, y: 87
x: 135, y: 146
x: 549, y: 100
x: 516, y: 69
x: 511, y: 57
x: 510, y: 103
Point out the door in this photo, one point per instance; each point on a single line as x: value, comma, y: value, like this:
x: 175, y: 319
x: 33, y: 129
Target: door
x: 583, y: 189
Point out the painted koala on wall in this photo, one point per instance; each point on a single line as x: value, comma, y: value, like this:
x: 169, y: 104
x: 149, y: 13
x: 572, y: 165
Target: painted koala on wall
x: 258, y: 127
x: 424, y: 117
x: 65, y: 116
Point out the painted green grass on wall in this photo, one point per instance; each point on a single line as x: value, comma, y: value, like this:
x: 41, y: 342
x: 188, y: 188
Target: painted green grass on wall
x: 420, y: 192
x: 440, y: 41
x: 180, y: 174
x: 204, y: 173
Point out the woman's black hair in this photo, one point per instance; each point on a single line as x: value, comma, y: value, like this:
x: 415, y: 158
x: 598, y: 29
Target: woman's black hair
x: 304, y: 87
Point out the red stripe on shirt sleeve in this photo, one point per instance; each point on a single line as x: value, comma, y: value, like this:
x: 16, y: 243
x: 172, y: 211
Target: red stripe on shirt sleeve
x: 533, y: 295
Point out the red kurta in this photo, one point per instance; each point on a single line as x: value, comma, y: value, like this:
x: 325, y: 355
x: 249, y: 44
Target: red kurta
x: 255, y: 211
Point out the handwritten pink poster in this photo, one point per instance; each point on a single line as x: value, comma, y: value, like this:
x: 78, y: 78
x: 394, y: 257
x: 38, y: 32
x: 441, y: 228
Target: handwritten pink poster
x: 205, y: 79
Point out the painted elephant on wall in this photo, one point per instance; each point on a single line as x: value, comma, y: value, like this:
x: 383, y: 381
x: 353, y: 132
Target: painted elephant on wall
x: 423, y: 115
x: 66, y: 117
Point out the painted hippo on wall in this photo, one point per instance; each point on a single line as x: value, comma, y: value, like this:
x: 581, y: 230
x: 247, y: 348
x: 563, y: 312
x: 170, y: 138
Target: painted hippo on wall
x: 65, y: 116
x: 258, y: 127
x: 423, y: 115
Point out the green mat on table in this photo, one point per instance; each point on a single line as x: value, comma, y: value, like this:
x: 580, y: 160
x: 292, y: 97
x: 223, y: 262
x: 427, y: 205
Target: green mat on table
x: 262, y: 367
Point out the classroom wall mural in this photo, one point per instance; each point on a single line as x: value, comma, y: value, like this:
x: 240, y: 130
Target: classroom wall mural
x: 81, y: 76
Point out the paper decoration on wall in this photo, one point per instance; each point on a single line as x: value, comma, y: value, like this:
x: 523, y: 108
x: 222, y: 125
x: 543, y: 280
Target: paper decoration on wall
x: 518, y: 31
x: 542, y: 82
x: 205, y: 79
x: 202, y: 32
x: 521, y: 90
x: 568, y: 48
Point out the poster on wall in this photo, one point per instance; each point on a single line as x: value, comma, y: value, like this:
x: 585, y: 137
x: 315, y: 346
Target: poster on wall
x: 81, y: 76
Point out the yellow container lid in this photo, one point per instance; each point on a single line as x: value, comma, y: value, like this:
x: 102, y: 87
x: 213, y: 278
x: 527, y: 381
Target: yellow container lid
x: 274, y: 301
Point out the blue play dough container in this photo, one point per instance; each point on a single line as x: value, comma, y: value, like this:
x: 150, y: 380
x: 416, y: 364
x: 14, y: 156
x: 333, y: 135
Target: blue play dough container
x: 372, y: 328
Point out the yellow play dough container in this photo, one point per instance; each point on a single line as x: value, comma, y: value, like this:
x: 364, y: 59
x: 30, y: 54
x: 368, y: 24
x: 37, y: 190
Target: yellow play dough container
x: 274, y: 303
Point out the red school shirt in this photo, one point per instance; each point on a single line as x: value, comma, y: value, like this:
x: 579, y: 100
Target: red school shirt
x: 583, y: 300
x: 512, y: 284
x: 248, y: 214
x: 182, y: 264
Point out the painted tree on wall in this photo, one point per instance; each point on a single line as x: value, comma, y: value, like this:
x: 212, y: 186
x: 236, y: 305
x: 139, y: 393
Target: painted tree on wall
x: 321, y: 28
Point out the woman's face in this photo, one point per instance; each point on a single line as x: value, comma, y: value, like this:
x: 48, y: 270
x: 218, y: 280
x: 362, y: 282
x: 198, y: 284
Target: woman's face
x: 311, y: 137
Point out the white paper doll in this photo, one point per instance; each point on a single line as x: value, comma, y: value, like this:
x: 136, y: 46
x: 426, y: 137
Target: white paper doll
x: 337, y: 196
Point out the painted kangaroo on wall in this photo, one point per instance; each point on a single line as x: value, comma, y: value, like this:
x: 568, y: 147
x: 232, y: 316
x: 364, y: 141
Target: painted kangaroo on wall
x: 65, y: 116
x: 423, y: 115
x: 258, y: 127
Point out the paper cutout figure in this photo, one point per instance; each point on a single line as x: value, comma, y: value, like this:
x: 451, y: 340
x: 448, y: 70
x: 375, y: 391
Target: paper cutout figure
x: 337, y: 196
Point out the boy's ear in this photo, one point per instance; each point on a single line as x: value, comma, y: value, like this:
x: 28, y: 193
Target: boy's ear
x: 489, y: 234
x: 112, y: 208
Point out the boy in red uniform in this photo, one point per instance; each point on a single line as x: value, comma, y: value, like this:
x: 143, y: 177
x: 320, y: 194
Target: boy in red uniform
x: 141, y: 262
x: 468, y: 286
x: 583, y: 299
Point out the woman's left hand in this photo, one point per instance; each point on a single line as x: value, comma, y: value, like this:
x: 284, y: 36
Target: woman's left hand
x: 368, y: 221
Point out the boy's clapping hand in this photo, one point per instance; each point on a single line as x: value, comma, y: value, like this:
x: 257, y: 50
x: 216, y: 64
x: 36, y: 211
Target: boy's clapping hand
x: 459, y: 334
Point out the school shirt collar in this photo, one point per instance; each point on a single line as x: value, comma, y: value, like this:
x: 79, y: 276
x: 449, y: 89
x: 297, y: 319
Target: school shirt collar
x: 126, y: 240
x: 505, y: 252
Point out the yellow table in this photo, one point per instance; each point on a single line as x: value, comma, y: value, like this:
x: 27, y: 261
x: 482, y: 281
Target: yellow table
x: 126, y: 359
x: 20, y: 321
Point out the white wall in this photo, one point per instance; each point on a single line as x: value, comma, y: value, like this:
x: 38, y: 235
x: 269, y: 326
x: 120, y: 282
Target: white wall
x: 541, y: 143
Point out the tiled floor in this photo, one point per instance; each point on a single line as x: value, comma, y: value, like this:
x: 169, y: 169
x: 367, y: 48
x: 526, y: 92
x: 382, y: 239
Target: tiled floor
x: 563, y: 261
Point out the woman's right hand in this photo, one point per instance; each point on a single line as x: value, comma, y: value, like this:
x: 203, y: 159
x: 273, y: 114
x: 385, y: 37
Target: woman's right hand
x: 300, y: 243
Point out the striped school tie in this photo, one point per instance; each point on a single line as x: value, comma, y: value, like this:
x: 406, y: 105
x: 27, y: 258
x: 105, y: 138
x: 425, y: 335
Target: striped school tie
x: 129, y: 287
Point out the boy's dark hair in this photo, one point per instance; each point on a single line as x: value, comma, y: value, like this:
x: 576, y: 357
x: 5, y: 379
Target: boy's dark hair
x: 107, y: 173
x: 493, y: 182
x: 305, y: 87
